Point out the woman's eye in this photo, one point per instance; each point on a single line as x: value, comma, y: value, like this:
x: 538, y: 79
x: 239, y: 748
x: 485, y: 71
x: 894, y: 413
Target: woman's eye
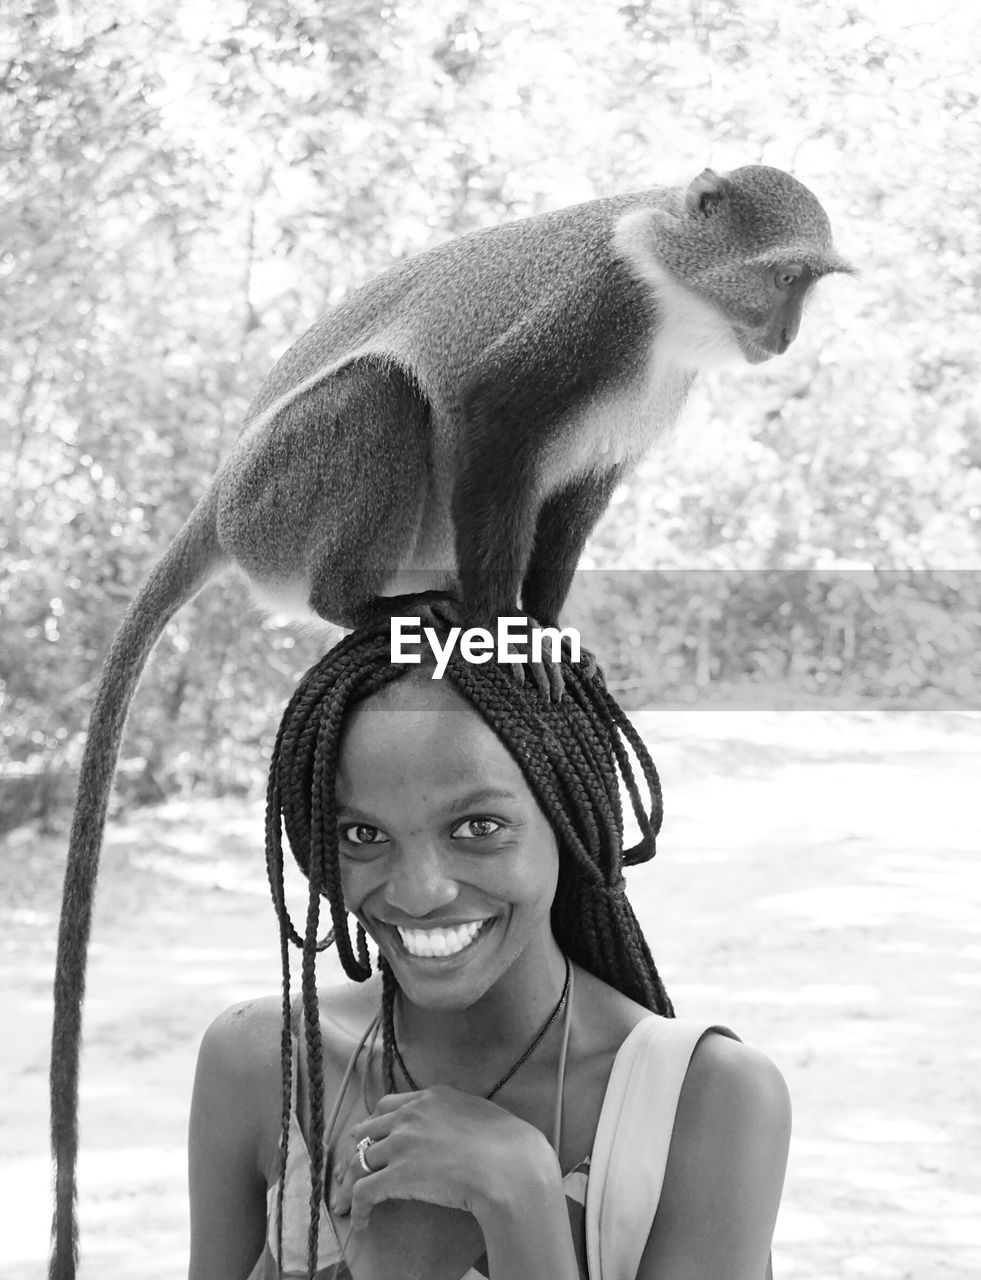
x: 361, y: 833
x: 476, y: 828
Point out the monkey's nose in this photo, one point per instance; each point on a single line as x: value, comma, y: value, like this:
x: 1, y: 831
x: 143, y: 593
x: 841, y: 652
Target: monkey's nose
x: 789, y: 331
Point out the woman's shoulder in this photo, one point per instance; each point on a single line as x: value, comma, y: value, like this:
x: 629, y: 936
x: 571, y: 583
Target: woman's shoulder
x: 240, y: 1060
x: 721, y: 1068
x: 725, y: 1163
x: 727, y: 1086
x: 244, y: 1042
x: 729, y: 1091
x: 239, y: 1081
x: 244, y: 1039
x: 237, y: 1089
x: 732, y: 1093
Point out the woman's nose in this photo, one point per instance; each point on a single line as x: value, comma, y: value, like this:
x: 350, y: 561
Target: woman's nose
x: 420, y: 883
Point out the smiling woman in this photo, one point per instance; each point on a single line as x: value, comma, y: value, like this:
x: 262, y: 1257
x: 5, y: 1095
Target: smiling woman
x: 510, y: 1096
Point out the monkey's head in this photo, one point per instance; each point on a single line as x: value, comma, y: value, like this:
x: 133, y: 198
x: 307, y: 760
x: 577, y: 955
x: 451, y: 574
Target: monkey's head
x: 753, y: 242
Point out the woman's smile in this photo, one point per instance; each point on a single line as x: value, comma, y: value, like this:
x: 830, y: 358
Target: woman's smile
x: 441, y: 942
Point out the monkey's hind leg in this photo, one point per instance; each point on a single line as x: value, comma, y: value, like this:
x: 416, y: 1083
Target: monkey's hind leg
x: 326, y: 507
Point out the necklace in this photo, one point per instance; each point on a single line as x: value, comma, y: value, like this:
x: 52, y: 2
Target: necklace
x: 521, y: 1061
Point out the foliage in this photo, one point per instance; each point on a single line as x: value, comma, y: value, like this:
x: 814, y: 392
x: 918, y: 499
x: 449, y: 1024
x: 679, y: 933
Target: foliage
x: 186, y: 187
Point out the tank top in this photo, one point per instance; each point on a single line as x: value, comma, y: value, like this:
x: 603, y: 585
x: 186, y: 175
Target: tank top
x: 610, y: 1222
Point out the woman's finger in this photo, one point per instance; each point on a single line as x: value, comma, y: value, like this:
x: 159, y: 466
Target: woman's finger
x: 368, y: 1157
x: 353, y: 1170
x: 390, y: 1102
x: 371, y: 1190
x: 379, y: 1124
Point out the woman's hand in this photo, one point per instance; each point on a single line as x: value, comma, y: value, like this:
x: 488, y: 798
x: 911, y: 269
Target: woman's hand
x: 445, y: 1147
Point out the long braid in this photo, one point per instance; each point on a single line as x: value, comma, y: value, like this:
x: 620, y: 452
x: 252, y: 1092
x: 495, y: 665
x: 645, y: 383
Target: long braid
x: 325, y: 753
x: 389, y: 988
x: 575, y: 754
x: 300, y: 795
x: 286, y: 1040
x: 577, y: 785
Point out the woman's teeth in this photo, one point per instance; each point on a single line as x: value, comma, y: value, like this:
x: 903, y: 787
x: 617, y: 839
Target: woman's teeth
x: 427, y: 943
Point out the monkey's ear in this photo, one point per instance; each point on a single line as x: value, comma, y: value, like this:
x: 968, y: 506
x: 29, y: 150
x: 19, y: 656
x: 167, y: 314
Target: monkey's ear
x: 705, y: 192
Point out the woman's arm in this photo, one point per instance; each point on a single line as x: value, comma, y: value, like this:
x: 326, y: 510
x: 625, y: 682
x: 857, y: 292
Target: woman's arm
x: 233, y: 1123
x: 525, y: 1223
x: 725, y: 1169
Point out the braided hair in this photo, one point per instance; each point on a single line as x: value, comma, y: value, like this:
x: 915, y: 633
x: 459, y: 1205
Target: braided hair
x: 573, y: 754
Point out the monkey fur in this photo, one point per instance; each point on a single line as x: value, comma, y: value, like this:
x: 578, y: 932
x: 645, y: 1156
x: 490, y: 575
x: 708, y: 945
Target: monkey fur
x: 457, y: 425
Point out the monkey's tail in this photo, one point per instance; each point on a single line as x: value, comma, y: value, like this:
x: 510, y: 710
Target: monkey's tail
x: 186, y: 566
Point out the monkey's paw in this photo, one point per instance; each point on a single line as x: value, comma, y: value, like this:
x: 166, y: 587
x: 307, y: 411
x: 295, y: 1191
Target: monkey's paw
x: 432, y: 608
x: 547, y: 677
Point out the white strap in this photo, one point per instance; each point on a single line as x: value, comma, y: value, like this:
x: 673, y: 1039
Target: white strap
x: 630, y: 1151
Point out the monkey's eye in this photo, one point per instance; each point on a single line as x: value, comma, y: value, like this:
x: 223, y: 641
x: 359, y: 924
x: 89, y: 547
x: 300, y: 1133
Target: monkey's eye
x: 362, y: 833
x: 787, y: 275
x: 475, y: 829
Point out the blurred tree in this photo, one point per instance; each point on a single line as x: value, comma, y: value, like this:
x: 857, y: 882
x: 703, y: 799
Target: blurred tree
x: 186, y: 187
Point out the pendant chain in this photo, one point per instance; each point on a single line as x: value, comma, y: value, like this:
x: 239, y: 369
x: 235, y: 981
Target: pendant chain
x: 521, y: 1061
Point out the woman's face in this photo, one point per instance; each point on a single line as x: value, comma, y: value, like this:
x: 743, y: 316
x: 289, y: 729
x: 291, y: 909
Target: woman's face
x: 446, y: 858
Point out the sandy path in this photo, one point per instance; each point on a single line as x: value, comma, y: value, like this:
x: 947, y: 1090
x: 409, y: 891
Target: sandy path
x: 818, y: 888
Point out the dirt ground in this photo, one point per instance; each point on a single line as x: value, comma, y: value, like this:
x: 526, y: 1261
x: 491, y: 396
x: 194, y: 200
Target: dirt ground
x: 817, y: 888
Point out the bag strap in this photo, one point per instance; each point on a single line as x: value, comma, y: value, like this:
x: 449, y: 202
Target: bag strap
x: 630, y: 1151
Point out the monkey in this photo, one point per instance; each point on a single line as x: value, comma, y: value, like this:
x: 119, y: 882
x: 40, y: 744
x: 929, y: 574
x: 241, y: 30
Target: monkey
x: 454, y: 429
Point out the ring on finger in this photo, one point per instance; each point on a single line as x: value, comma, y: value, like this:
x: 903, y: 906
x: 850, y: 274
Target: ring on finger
x: 361, y: 1149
